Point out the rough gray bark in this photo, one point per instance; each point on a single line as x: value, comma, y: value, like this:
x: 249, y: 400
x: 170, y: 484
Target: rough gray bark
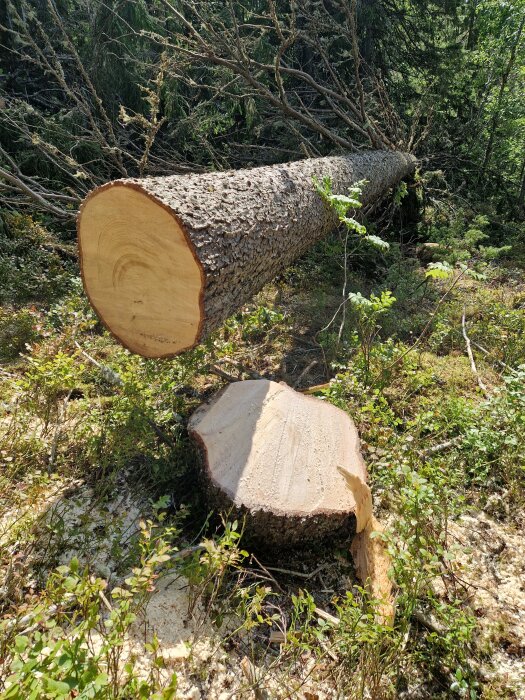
x: 246, y: 226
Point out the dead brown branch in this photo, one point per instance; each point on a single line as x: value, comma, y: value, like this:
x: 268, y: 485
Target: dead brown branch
x: 275, y: 81
x: 19, y: 184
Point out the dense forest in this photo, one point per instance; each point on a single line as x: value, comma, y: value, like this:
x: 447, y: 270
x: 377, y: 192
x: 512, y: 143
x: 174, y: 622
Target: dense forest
x: 118, y: 577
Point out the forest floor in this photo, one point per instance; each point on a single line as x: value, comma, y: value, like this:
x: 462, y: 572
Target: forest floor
x: 115, y: 581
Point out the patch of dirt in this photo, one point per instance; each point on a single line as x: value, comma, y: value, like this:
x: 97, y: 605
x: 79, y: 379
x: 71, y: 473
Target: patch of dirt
x: 99, y: 532
x: 207, y: 666
x: 31, y: 501
x: 207, y: 660
x: 494, y: 568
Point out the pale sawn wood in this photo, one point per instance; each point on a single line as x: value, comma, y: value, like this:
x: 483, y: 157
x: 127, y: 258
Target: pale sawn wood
x: 369, y: 551
x: 275, y: 456
x: 142, y: 277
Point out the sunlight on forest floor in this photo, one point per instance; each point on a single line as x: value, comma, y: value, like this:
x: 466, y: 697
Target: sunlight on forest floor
x: 103, y: 474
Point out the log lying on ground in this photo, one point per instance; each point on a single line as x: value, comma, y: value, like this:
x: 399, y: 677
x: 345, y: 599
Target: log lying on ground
x: 166, y: 260
x: 274, y: 456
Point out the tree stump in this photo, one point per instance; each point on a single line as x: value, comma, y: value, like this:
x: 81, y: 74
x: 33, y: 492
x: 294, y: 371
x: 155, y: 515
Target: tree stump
x: 289, y: 463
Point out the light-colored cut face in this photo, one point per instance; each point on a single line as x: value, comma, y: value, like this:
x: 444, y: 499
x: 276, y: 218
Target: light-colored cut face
x: 271, y: 448
x: 139, y: 272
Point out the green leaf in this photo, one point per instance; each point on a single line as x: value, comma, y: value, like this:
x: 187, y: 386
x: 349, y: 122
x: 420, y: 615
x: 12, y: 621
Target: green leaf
x: 59, y: 687
x: 21, y: 643
x: 343, y: 199
x: 100, y: 681
x: 439, y: 270
x: 357, y: 299
x: 377, y: 242
x: 354, y: 225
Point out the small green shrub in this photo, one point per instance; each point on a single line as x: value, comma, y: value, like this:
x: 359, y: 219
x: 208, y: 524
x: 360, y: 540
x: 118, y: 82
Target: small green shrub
x: 367, y: 313
x: 493, y: 444
x: 207, y: 571
x: 501, y: 330
x: 70, y: 644
x: 18, y: 329
x: 31, y: 267
x: 460, y: 240
x: 254, y: 325
x: 49, y: 378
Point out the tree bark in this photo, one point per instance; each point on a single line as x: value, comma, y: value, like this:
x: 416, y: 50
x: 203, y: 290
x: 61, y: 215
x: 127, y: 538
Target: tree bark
x: 166, y: 260
x: 287, y: 464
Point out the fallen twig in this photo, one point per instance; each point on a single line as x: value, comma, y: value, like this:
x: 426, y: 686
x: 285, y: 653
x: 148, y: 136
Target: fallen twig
x: 250, y: 372
x: 272, y: 578
x: 305, y: 371
x: 187, y: 552
x: 327, y: 616
x: 441, y: 447
x: 222, y: 374
x: 277, y: 637
x: 315, y: 389
x: 21, y: 622
x: 108, y: 374
x: 481, y: 384
x: 250, y: 673
x: 300, y: 574
x: 489, y: 354
x: 428, y: 622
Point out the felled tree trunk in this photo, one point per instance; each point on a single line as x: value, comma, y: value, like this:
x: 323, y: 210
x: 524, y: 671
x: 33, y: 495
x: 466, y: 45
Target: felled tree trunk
x: 282, y: 461
x: 166, y: 260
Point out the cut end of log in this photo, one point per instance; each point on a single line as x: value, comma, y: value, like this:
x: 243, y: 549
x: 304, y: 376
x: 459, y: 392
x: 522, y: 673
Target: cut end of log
x: 139, y: 270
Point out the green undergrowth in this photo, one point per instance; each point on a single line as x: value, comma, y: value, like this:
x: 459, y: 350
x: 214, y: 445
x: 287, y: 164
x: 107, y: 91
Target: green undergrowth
x: 79, y: 411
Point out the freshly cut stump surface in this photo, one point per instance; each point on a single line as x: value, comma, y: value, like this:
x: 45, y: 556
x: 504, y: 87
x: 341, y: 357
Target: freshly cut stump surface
x: 282, y: 459
x: 166, y: 260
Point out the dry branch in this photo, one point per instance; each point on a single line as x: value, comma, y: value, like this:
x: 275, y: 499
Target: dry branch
x: 470, y: 354
x: 19, y: 184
